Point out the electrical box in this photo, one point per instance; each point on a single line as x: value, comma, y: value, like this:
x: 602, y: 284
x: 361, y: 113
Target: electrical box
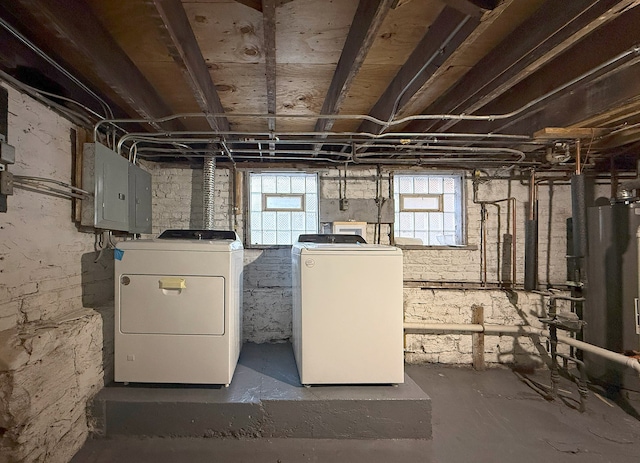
x: 139, y: 200
x: 122, y: 191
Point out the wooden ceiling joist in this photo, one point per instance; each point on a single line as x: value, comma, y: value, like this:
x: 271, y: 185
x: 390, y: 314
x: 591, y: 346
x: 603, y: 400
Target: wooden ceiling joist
x: 615, y: 39
x: 366, y: 22
x: 574, y: 133
x: 73, y: 22
x: 618, y: 87
x: 448, y: 31
x: 184, y: 48
x: 269, y: 26
x: 551, y: 30
x: 472, y: 7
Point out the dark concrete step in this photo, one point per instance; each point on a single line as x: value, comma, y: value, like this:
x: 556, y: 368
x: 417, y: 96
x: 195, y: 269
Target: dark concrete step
x: 265, y: 399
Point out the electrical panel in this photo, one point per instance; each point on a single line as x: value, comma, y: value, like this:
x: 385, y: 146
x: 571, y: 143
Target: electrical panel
x: 122, y: 191
x: 139, y: 200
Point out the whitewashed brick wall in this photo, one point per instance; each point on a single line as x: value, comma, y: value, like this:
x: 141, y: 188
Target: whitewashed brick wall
x: 267, y: 280
x: 50, y: 361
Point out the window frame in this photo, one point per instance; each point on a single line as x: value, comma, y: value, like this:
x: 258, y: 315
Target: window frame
x: 463, y: 208
x: 247, y: 208
x: 266, y: 196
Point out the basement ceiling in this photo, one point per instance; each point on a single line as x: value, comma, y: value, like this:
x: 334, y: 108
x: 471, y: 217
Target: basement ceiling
x: 471, y: 83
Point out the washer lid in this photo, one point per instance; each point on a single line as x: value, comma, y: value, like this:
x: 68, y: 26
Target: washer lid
x: 194, y: 234
x: 344, y: 248
x: 181, y: 245
x: 331, y: 238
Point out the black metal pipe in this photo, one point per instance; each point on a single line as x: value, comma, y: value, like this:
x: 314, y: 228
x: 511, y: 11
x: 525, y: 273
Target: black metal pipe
x: 531, y: 255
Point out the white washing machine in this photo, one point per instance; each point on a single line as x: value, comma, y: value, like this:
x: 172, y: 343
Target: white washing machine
x: 178, y: 308
x: 347, y: 311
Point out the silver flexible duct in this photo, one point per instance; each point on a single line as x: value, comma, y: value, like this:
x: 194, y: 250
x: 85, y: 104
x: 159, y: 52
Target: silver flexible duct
x: 208, y: 192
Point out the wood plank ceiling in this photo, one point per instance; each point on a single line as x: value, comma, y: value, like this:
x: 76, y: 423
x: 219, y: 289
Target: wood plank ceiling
x: 253, y: 67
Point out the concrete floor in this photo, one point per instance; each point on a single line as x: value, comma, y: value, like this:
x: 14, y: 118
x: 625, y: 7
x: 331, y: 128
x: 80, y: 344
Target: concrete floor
x: 488, y: 416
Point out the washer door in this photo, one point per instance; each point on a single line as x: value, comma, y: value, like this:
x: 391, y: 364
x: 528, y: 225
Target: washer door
x: 167, y: 304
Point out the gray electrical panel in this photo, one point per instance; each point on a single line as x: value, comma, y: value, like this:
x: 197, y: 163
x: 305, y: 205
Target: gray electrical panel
x: 139, y: 200
x: 122, y: 191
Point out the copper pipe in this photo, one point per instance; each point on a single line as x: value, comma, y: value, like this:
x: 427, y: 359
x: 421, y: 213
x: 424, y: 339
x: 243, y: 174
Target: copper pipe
x: 578, y: 166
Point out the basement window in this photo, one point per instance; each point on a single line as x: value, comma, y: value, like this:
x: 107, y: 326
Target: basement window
x: 429, y: 209
x: 282, y: 206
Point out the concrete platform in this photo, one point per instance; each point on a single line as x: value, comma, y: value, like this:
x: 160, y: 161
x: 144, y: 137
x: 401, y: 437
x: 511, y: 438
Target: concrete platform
x: 265, y: 399
x: 480, y: 417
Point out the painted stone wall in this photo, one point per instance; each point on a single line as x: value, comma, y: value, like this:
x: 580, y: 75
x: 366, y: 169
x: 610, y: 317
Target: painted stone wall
x: 51, y: 343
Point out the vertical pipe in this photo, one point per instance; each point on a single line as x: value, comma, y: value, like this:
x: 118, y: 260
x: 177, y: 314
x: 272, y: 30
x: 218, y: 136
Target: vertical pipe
x: 208, y: 192
x: 579, y: 223
x: 514, y: 241
x: 531, y: 239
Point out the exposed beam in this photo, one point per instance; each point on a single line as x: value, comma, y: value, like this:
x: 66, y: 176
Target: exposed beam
x: 21, y: 62
x: 269, y: 26
x: 184, y: 48
x: 615, y: 88
x: 558, y: 133
x: 366, y: 22
x: 551, y: 30
x: 73, y: 22
x: 443, y: 37
x: 614, y: 39
x: 255, y: 4
x: 620, y: 137
x: 472, y: 7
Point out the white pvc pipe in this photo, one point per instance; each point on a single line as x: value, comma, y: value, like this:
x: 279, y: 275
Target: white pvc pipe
x: 526, y: 330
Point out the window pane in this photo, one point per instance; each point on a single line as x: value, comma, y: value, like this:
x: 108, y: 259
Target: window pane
x: 283, y: 184
x: 436, y: 222
x: 297, y: 220
x: 312, y: 203
x: 284, y: 220
x: 405, y: 185
x: 256, y: 184
x: 256, y: 221
x: 297, y: 184
x: 435, y: 185
x: 406, y: 221
x: 268, y: 184
x: 256, y: 202
x: 424, y: 236
x: 269, y: 237
x: 311, y: 225
x: 284, y: 237
x: 449, y: 185
x: 268, y: 220
x: 449, y: 221
x: 420, y: 221
x: 312, y: 184
x: 449, y: 203
x: 275, y: 202
x: 420, y: 203
x: 421, y: 185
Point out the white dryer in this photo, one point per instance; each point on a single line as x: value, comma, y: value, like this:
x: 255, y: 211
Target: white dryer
x: 178, y: 307
x: 347, y: 311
